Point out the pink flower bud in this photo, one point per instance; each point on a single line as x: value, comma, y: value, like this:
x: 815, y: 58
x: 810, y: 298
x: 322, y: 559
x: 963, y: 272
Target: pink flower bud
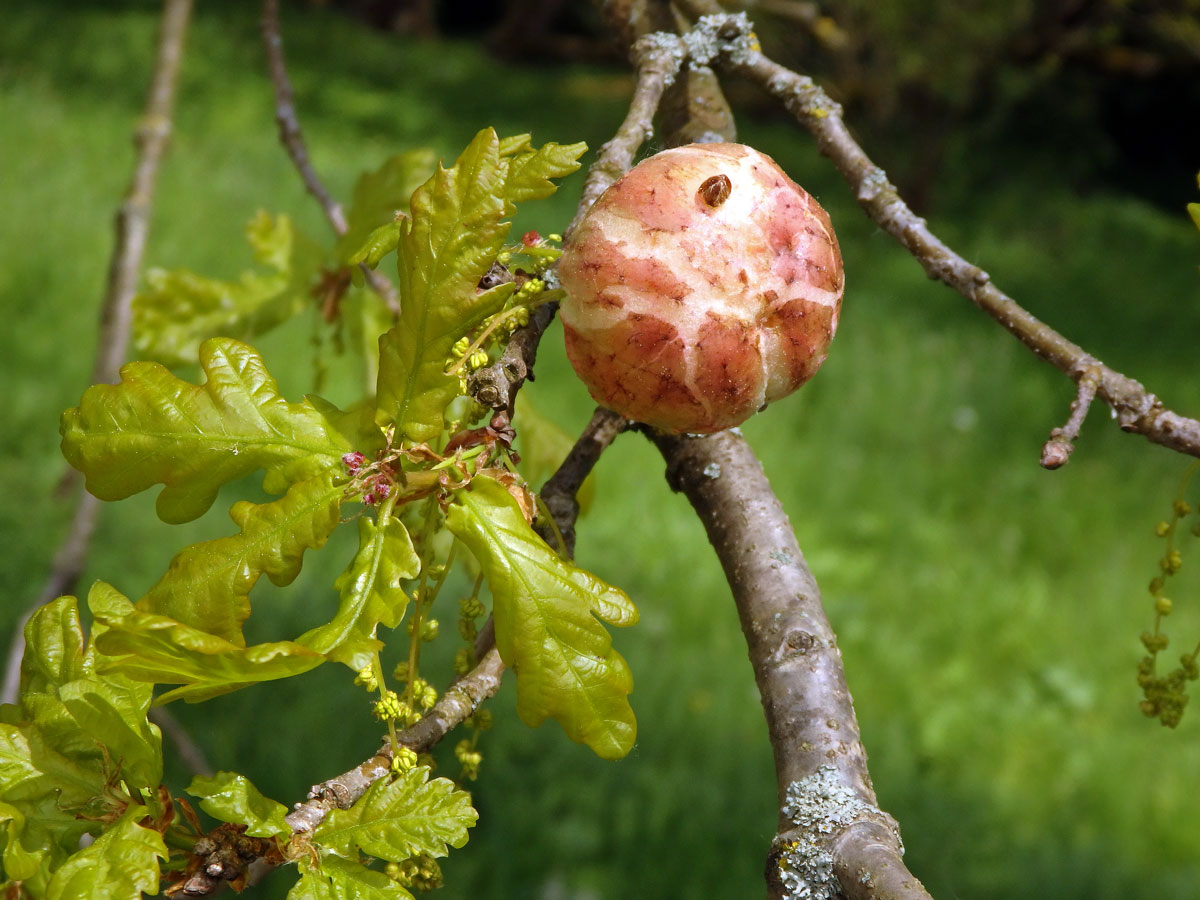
x: 700, y: 287
x: 353, y: 460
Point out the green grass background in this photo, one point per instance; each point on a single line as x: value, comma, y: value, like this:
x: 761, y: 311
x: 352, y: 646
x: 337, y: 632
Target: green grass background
x: 988, y: 611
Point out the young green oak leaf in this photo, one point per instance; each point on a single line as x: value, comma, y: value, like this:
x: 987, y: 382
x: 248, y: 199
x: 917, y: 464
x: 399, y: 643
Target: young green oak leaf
x: 341, y: 879
x: 120, y: 864
x: 547, y: 623
x: 530, y: 171
x: 230, y: 797
x: 395, y: 820
x: 154, y: 428
x: 375, y: 246
x: 159, y: 650
x: 49, y: 791
x: 35, y: 773
x: 445, y: 247
x: 455, y: 231
x: 54, y: 647
x: 380, y: 194
x: 370, y: 594
x: 18, y: 863
x: 73, y: 736
x: 179, y: 309
x: 207, y: 586
x: 98, y: 722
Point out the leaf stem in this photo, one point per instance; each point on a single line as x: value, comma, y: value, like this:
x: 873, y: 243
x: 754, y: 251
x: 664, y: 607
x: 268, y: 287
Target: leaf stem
x: 420, y: 600
x: 381, y: 520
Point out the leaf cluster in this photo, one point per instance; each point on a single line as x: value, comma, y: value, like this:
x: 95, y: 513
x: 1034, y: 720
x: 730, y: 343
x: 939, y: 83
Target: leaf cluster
x: 80, y: 741
x: 180, y: 309
x: 78, y: 757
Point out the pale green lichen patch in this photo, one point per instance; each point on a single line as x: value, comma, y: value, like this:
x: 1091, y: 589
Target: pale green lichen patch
x: 819, y: 805
x: 729, y: 34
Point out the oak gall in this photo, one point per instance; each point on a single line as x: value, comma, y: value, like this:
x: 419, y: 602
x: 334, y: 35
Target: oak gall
x: 701, y: 286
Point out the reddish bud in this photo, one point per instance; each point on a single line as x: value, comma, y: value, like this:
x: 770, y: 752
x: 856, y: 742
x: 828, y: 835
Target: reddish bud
x: 381, y: 489
x: 700, y: 287
x: 531, y: 239
x: 353, y: 461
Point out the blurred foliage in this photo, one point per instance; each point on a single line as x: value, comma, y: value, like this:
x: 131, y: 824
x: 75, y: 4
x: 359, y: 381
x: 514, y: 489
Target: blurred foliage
x: 1106, y: 85
x: 987, y: 610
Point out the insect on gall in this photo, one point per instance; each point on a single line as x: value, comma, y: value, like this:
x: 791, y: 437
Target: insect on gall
x: 715, y: 190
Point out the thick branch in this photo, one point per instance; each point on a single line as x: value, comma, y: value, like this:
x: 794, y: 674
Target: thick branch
x: 292, y: 139
x: 810, y: 716
x: 798, y: 668
x: 132, y: 226
x: 1137, y: 410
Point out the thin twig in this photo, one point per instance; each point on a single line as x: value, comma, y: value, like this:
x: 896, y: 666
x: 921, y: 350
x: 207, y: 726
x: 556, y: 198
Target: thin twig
x: 729, y: 40
x: 292, y: 139
x: 132, y: 224
x: 496, y: 386
x: 456, y: 705
x: 189, y: 752
x: 560, y: 493
x: 657, y: 58
x: 1057, y: 451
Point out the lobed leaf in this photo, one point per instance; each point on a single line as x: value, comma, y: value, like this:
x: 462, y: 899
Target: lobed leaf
x: 113, y: 712
x: 74, y: 735
x: 230, y: 797
x: 49, y: 792
x: 370, y: 594
x: 530, y: 172
x: 154, y: 428
x: 19, y: 863
x: 32, y: 768
x: 445, y: 247
x: 120, y: 864
x: 395, y: 820
x: 546, y: 614
x: 54, y: 647
x: 95, y: 722
x: 376, y: 245
x: 342, y: 879
x: 179, y: 308
x: 160, y: 650
x: 207, y: 585
x: 381, y: 194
